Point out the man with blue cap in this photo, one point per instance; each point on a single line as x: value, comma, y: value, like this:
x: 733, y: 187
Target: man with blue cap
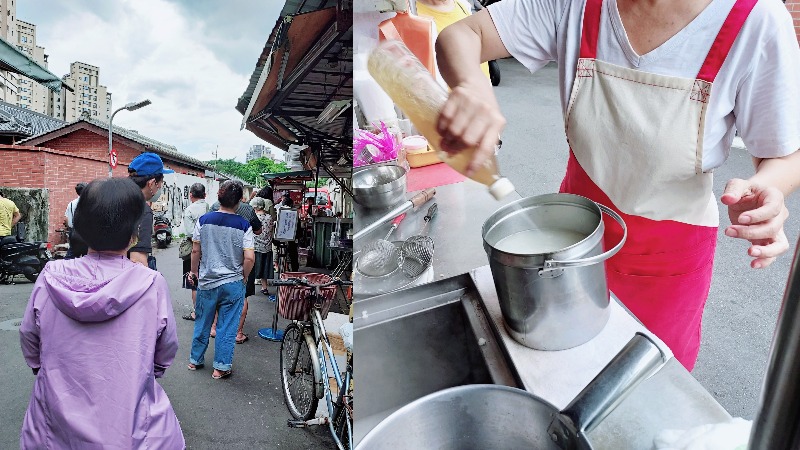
x: 147, y: 171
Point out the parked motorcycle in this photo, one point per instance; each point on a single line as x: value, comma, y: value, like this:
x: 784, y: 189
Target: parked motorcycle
x: 162, y: 230
x: 22, y: 258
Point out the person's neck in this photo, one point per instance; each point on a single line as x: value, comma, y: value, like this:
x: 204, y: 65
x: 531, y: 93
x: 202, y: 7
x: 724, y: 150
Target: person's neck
x: 122, y: 252
x: 227, y: 210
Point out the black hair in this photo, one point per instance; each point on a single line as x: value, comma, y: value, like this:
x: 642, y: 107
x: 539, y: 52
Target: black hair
x: 287, y: 201
x: 109, y: 213
x: 198, y: 190
x: 79, y: 188
x: 266, y: 193
x: 141, y: 180
x: 230, y: 193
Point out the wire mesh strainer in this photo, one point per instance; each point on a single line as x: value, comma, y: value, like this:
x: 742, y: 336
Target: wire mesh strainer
x: 380, y: 258
x: 416, y: 253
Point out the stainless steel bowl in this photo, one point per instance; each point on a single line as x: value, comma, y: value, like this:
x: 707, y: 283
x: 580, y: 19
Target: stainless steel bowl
x: 379, y: 186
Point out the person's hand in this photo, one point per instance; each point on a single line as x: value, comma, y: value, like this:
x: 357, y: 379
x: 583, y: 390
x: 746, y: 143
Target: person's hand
x: 192, y: 279
x: 471, y: 118
x: 757, y: 214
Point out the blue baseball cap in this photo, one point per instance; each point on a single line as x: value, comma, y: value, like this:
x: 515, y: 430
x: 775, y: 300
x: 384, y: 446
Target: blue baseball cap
x: 148, y: 164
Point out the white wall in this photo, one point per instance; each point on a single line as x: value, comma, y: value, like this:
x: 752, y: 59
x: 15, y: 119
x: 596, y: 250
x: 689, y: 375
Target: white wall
x: 175, y: 197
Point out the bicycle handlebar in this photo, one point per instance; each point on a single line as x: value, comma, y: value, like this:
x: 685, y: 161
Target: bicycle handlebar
x: 306, y: 283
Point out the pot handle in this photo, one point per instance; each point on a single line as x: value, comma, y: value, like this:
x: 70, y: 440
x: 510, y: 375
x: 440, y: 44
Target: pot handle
x: 553, y: 268
x: 636, y: 362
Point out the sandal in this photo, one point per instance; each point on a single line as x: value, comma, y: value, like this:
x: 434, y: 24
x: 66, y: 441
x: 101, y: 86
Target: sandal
x: 265, y: 292
x: 222, y: 374
x: 243, y: 340
x: 195, y: 366
x: 189, y: 316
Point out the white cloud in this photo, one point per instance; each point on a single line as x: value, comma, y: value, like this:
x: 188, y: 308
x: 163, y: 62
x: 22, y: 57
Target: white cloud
x: 152, y: 49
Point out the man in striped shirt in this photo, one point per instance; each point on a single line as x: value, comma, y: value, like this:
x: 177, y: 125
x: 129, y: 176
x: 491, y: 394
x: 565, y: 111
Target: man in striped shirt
x: 222, y: 258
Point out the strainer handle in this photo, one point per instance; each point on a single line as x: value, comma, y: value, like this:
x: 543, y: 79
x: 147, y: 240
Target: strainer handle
x: 552, y: 267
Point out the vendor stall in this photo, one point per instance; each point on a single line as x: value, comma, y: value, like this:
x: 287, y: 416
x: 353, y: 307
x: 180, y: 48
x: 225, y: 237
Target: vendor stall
x: 447, y: 330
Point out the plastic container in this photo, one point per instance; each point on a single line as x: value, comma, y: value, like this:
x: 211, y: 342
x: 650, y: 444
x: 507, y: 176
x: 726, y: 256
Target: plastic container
x: 418, y: 152
x: 421, y: 98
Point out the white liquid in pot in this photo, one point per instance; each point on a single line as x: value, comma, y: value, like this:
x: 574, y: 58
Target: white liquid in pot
x: 538, y: 241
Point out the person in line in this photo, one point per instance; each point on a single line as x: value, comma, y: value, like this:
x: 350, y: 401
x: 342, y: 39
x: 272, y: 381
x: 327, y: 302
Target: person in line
x: 197, y: 208
x: 9, y: 216
x: 147, y: 171
x: 646, y: 129
x: 222, y: 259
x: 77, y: 247
x: 248, y: 213
x: 263, y: 245
x: 97, y: 333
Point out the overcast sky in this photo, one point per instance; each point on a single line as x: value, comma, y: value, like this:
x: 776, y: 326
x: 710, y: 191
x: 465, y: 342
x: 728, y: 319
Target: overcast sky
x: 192, y: 58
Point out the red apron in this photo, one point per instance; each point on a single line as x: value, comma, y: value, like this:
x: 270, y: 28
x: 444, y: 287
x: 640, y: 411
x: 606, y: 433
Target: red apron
x: 636, y: 145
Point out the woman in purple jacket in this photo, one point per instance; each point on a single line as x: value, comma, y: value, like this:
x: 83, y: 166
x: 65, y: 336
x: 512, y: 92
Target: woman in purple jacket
x: 97, y: 332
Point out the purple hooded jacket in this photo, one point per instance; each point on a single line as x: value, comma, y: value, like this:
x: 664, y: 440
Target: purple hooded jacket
x: 100, y: 329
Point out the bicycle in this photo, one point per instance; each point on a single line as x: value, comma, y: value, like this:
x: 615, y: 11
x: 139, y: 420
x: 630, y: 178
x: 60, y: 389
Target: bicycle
x: 306, y: 354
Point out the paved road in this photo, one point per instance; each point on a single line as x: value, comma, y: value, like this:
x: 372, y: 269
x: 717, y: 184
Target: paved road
x: 243, y: 412
x: 743, y: 304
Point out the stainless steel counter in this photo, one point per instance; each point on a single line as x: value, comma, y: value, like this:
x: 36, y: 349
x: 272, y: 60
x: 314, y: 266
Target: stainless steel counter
x: 456, y: 229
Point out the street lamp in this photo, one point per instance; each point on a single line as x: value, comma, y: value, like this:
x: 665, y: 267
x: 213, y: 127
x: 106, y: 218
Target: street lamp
x: 133, y: 106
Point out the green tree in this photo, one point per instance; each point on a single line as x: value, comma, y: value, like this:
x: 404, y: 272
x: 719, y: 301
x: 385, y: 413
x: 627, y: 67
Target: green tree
x: 251, y: 171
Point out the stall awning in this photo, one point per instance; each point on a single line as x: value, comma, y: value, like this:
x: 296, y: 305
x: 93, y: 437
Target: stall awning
x: 15, y: 61
x: 306, y: 67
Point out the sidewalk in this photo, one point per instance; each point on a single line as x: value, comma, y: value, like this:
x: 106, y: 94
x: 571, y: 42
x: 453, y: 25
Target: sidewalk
x: 245, y: 411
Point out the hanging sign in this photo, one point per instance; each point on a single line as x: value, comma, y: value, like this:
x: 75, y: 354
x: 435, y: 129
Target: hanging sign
x: 112, y: 159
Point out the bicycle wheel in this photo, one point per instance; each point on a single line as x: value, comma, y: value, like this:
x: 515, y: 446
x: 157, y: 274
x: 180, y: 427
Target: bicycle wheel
x: 297, y: 374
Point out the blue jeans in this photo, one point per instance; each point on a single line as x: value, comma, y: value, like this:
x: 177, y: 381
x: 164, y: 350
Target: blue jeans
x: 228, y: 299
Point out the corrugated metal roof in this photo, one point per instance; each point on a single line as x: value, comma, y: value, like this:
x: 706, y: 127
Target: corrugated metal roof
x: 19, y: 121
x: 290, y: 8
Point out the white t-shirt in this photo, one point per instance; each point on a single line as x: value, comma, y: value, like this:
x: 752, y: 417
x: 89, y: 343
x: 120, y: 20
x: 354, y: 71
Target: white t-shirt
x: 70, y: 212
x: 757, y: 90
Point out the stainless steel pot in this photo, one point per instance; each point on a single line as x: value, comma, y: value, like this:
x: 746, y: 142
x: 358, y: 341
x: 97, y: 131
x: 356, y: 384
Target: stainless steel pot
x: 556, y: 300
x: 482, y: 416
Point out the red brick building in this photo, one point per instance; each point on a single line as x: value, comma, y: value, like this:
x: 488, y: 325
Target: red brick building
x: 78, y: 152
x: 794, y: 9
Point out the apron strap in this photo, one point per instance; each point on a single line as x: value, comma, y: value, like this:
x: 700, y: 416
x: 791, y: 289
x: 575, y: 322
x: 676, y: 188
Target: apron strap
x: 724, y: 40
x: 591, y: 28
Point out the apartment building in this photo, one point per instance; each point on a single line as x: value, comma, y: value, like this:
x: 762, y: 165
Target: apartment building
x: 30, y: 94
x: 258, y: 151
x: 8, y: 31
x: 88, y: 97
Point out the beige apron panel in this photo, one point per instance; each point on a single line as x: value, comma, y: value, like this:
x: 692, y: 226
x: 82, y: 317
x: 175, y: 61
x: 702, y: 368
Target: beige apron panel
x: 639, y: 138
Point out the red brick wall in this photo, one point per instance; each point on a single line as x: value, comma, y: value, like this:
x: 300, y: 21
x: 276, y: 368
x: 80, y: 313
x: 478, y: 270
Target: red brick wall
x: 794, y: 9
x: 21, y: 167
x: 80, y: 156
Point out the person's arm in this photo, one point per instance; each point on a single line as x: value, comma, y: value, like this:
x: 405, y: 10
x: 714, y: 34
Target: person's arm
x: 167, y: 342
x: 15, y: 218
x: 139, y: 252
x: 249, y: 253
x: 29, y: 328
x: 757, y: 208
x: 768, y: 121
x: 471, y: 116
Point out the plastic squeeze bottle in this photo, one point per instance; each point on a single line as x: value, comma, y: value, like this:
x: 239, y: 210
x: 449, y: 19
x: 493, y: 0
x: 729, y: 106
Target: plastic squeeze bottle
x: 421, y: 98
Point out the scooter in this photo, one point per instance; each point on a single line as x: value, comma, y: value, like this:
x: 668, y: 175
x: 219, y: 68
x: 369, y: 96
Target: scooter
x: 162, y: 230
x: 22, y: 258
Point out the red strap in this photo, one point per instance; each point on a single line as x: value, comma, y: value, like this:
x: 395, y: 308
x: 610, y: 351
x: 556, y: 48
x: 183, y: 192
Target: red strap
x: 591, y: 28
x: 724, y: 41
